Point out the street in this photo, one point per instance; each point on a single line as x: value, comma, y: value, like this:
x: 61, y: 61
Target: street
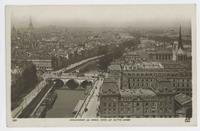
x: 92, y: 102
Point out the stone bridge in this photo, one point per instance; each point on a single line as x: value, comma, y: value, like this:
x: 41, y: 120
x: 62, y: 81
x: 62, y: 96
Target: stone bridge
x: 66, y: 77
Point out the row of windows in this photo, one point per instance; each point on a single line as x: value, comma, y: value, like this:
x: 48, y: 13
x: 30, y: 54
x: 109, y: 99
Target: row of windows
x: 181, y: 84
x: 135, y: 80
x: 150, y: 80
x: 109, y: 104
x: 109, y: 110
x: 135, y: 104
x: 144, y: 116
x: 163, y: 57
x: 140, y: 84
x: 183, y: 89
x: 152, y: 109
x: 181, y: 80
x: 149, y: 84
x: 157, y: 74
x: 161, y: 102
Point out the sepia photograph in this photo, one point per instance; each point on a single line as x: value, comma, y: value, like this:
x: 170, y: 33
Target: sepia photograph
x: 117, y: 64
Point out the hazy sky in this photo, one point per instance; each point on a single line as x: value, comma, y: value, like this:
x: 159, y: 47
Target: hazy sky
x: 159, y: 15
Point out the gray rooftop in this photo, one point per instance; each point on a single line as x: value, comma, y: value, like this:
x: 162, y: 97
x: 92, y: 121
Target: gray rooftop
x: 183, y: 99
x: 137, y: 92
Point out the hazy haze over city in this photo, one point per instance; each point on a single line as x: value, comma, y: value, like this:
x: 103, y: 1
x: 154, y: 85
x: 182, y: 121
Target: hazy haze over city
x: 103, y: 15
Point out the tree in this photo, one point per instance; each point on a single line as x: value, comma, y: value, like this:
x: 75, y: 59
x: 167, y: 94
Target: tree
x: 24, y: 82
x: 72, y: 84
x: 104, y: 62
x: 54, y: 62
x: 29, y: 76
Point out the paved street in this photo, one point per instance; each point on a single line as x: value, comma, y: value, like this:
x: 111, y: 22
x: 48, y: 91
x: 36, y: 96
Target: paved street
x: 92, y: 102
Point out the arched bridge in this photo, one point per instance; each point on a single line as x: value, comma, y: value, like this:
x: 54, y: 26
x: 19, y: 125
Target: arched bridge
x: 67, y: 78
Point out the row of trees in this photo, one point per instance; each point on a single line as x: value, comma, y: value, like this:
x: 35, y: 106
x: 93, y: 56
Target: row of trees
x: 59, y: 62
x: 24, y: 82
x: 111, y: 52
x: 115, y: 52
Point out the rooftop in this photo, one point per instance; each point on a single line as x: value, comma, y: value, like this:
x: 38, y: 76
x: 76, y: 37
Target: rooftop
x: 183, y: 99
x: 162, y: 51
x: 163, y: 87
x: 109, y: 88
x: 114, y: 67
x: 144, y: 65
x: 137, y: 92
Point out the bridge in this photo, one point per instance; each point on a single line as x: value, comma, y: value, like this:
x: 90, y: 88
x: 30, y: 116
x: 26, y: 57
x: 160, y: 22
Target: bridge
x: 64, y: 78
x: 74, y: 66
x: 26, y: 107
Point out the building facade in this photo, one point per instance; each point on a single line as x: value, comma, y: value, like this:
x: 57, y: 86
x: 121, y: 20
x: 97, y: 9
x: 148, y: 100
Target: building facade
x: 148, y: 76
x: 135, y: 103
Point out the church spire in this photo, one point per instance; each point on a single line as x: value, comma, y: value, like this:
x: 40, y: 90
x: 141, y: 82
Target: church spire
x: 180, y: 45
x: 30, y: 23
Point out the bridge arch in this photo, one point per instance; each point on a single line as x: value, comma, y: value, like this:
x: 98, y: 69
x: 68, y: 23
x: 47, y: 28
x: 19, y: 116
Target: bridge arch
x: 58, y: 83
x: 85, y: 83
x: 72, y: 84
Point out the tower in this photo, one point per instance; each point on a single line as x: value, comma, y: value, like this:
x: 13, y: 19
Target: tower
x: 31, y: 34
x: 180, y: 46
x: 30, y: 24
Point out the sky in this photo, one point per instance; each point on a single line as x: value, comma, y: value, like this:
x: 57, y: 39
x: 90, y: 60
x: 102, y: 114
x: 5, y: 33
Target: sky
x: 102, y: 15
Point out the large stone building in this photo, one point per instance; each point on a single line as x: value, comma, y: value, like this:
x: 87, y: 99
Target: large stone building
x: 145, y: 75
x: 149, y: 87
x: 42, y: 65
x: 151, y: 102
x: 161, y: 55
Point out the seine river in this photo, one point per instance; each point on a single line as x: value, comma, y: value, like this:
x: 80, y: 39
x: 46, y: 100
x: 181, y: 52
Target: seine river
x: 67, y: 99
x: 65, y: 103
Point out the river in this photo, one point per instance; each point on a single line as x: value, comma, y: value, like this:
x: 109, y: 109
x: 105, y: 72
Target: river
x: 67, y: 99
x: 65, y: 103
